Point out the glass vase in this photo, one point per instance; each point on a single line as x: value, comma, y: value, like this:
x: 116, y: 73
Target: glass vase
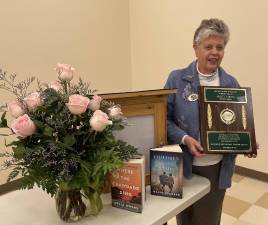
x: 74, y: 204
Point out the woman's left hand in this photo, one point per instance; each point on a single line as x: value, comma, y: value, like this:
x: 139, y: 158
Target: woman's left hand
x: 250, y: 155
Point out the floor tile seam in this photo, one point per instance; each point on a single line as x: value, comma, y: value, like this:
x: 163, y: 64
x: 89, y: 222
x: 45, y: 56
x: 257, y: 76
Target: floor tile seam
x: 260, y: 206
x: 237, y: 216
x: 264, y: 195
x: 235, y: 180
x: 239, y: 199
x: 252, y: 186
x: 244, y: 219
x: 231, y: 215
x: 244, y: 200
x: 234, y: 216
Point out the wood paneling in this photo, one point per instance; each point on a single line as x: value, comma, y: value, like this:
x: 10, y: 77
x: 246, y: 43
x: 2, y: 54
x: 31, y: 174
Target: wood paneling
x: 153, y: 102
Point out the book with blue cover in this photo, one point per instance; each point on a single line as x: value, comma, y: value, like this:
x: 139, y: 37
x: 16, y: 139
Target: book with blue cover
x: 166, y: 171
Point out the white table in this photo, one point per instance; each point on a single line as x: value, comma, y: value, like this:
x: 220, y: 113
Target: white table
x: 35, y: 207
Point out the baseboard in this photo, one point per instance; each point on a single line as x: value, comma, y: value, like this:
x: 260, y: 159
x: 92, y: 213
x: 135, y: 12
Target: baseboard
x: 10, y: 186
x: 251, y: 173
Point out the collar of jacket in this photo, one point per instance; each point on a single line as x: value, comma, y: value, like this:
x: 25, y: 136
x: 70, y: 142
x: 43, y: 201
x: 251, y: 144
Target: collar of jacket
x: 191, y: 76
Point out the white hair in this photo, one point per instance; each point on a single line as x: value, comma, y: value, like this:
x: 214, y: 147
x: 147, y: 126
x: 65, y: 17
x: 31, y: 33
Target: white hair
x: 209, y: 28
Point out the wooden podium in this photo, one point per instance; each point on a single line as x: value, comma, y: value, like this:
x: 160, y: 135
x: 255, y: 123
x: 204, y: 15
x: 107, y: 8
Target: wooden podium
x: 141, y: 103
x: 147, y: 114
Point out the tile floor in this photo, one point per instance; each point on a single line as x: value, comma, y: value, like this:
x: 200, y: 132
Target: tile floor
x: 245, y: 203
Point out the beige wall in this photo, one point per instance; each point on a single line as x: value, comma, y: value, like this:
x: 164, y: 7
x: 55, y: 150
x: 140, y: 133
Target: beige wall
x: 161, y: 40
x: 122, y: 45
x: 92, y: 35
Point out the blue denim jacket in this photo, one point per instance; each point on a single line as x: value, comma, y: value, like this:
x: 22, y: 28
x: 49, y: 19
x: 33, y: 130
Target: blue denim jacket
x: 183, y: 117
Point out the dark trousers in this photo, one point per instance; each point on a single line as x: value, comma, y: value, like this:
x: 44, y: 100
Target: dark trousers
x: 206, y: 211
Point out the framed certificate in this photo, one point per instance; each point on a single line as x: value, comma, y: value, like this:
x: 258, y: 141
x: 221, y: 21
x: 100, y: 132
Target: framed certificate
x: 226, y: 120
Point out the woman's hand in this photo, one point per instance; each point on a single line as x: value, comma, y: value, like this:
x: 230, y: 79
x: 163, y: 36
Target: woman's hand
x: 250, y: 155
x: 194, y: 146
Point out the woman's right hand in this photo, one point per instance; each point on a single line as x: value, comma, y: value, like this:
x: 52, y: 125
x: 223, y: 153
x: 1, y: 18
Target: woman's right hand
x: 194, y: 146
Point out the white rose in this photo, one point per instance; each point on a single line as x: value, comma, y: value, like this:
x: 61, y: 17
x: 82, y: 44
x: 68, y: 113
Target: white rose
x: 115, y: 112
x: 15, y: 108
x: 23, y: 126
x: 94, y: 103
x: 77, y: 104
x: 65, y: 71
x: 33, y: 100
x: 99, y: 121
x: 55, y: 85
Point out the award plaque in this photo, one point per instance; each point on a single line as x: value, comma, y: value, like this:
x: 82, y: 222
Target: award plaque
x: 226, y: 120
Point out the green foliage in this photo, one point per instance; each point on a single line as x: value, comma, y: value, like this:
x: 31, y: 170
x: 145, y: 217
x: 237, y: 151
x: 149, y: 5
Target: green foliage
x: 3, y: 122
x: 64, y: 151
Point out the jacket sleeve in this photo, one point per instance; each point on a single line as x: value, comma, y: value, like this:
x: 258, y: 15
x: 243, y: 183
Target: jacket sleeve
x: 174, y: 132
x: 235, y: 83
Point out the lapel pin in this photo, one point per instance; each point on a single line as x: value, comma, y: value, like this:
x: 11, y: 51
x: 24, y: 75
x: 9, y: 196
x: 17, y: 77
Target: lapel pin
x: 192, y: 97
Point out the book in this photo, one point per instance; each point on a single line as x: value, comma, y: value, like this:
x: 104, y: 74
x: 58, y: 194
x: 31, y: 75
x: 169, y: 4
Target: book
x: 166, y: 171
x: 128, y: 185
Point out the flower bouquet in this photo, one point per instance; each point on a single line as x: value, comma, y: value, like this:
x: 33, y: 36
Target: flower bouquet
x: 65, y: 142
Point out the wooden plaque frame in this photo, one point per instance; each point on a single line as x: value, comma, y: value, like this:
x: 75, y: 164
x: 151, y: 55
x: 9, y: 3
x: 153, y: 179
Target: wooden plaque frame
x: 226, y: 120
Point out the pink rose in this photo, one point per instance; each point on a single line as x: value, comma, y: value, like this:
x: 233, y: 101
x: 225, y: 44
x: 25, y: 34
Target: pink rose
x: 77, y: 104
x: 115, y: 112
x: 23, y: 126
x: 94, y: 103
x: 65, y: 71
x: 55, y: 85
x: 99, y: 121
x: 15, y: 108
x: 33, y: 100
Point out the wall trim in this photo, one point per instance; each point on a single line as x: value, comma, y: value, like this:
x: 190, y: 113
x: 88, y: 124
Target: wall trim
x: 251, y: 173
x: 10, y: 186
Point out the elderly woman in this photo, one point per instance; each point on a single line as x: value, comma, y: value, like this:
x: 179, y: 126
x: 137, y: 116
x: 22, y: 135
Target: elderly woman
x: 209, y: 43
